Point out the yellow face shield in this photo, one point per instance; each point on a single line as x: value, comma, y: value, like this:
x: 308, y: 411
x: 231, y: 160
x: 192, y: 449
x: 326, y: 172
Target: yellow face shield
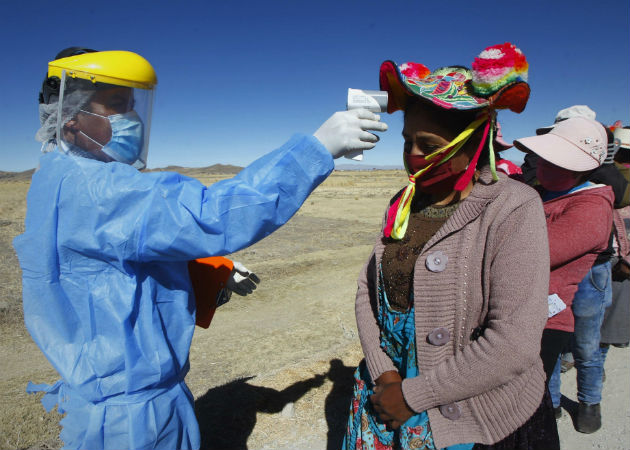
x: 119, y: 68
x: 105, y: 105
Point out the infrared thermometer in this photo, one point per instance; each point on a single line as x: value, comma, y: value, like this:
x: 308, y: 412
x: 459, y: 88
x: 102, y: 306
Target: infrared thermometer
x: 375, y: 101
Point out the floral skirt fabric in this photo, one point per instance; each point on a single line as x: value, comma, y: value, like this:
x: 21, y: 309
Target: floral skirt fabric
x: 365, y: 430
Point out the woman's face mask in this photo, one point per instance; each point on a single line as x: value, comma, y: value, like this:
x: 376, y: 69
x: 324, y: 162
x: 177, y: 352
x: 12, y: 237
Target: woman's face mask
x: 554, y: 178
x: 429, y: 140
x: 435, y: 180
x: 125, y: 144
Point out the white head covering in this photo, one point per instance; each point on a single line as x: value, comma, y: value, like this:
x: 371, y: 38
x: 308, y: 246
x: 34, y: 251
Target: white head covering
x: 73, y: 101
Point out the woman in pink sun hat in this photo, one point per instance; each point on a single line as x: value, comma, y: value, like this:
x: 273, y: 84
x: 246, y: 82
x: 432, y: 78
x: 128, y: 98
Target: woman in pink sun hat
x: 449, y: 319
x: 579, y: 217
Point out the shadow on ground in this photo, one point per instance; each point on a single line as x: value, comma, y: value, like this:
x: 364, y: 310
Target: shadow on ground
x: 227, y: 413
x: 570, y: 406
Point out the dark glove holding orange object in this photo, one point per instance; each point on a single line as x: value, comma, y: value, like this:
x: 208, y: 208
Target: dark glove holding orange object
x: 388, y: 400
x: 213, y: 280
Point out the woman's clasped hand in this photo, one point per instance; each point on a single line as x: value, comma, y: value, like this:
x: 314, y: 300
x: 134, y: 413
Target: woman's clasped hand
x: 388, y: 400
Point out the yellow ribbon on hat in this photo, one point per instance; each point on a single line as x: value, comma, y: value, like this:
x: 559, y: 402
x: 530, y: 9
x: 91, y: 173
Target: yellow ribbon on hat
x: 402, y: 214
x: 493, y: 163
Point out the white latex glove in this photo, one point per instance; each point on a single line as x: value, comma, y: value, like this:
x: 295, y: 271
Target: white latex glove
x: 346, y: 131
x: 242, y: 281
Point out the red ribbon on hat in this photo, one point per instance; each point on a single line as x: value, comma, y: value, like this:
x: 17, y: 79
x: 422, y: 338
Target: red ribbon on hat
x: 467, y: 176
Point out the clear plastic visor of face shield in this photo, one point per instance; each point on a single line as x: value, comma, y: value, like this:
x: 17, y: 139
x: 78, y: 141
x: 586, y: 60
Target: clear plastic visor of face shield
x: 104, y: 121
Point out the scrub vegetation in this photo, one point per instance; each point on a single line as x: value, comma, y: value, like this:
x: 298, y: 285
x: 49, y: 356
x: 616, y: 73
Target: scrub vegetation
x: 274, y: 370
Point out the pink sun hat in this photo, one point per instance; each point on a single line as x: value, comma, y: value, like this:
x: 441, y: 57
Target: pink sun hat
x: 578, y: 144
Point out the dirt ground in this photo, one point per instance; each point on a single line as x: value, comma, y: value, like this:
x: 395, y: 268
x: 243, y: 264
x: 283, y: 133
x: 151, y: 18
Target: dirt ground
x: 274, y: 370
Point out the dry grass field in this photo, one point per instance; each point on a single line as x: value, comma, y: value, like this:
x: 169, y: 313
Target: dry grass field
x: 274, y: 370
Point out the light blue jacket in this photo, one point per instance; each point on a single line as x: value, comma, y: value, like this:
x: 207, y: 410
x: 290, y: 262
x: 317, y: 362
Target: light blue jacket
x: 107, y: 296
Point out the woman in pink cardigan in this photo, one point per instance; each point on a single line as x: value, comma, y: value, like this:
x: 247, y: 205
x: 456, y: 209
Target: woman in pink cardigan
x: 452, y: 302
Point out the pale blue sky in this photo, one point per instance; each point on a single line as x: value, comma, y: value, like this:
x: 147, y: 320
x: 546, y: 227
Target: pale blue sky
x: 236, y: 79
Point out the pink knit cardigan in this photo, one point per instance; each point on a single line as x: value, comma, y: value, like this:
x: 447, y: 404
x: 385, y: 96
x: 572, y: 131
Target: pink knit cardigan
x: 487, y: 266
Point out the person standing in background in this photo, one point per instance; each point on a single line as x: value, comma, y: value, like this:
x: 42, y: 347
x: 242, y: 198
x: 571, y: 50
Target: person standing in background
x: 615, y: 329
x: 579, y: 221
x: 594, y: 293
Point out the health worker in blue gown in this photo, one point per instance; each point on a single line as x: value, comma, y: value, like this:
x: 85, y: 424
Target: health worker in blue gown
x: 107, y: 294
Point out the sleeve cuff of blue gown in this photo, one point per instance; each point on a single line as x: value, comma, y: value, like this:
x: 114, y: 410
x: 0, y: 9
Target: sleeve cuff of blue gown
x: 314, y: 157
x: 312, y: 150
x: 302, y: 155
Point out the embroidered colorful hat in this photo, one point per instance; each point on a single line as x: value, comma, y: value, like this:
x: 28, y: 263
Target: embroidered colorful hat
x: 498, y: 80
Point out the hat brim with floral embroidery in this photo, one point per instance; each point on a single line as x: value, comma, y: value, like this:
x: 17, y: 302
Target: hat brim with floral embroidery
x: 497, y: 80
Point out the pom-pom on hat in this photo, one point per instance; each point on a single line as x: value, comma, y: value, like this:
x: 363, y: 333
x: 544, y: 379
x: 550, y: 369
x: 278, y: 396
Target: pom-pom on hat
x: 498, y: 80
x: 498, y: 66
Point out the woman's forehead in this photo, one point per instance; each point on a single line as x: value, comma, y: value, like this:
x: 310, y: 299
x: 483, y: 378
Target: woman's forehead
x: 421, y: 122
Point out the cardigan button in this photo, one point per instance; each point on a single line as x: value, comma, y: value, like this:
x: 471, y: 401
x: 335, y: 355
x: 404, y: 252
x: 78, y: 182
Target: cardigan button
x: 439, y: 336
x: 436, y: 261
x: 451, y: 411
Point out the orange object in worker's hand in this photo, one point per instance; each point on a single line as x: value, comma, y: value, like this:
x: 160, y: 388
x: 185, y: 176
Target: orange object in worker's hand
x: 209, y: 277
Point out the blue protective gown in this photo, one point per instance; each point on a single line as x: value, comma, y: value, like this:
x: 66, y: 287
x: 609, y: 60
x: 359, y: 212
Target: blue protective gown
x: 107, y: 296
